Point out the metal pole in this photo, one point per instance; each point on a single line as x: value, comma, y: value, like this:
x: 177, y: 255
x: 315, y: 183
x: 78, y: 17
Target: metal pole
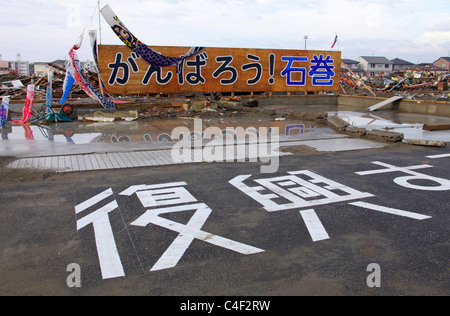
x: 99, y: 23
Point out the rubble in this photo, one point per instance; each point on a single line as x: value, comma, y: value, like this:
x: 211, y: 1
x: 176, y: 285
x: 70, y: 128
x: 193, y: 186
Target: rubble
x: 411, y: 84
x: 423, y: 142
x: 342, y: 126
x: 384, y: 135
x: 338, y: 124
x: 16, y: 89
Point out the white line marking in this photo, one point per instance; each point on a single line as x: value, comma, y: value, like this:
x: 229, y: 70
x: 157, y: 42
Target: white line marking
x: 388, y: 210
x: 439, y: 156
x: 314, y: 225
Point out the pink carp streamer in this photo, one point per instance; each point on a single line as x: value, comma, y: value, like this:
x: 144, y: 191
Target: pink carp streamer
x: 27, y: 109
x: 74, y: 70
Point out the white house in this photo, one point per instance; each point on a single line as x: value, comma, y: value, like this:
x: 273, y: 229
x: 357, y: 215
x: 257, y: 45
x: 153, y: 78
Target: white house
x: 350, y: 63
x: 353, y: 65
x: 374, y: 65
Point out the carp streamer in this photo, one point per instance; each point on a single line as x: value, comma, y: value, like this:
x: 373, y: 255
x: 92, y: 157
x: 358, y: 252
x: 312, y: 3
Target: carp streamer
x: 27, y: 109
x: 75, y: 73
x: 145, y: 52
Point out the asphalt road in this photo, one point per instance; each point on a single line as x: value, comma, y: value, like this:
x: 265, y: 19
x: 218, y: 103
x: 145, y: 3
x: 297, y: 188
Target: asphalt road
x: 228, y: 244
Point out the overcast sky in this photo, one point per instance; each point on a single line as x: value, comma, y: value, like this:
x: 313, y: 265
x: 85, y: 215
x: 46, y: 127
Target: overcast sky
x: 414, y: 30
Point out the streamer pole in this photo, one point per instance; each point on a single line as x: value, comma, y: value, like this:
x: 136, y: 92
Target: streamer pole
x: 99, y: 23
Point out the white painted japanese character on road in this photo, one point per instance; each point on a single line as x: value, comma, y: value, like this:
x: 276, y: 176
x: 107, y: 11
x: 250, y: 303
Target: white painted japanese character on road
x: 158, y: 199
x: 110, y: 263
x: 179, y: 199
x: 305, y: 190
x: 440, y: 184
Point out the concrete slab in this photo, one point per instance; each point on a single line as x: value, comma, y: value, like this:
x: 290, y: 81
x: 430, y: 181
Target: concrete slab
x: 381, y: 105
x: 410, y: 125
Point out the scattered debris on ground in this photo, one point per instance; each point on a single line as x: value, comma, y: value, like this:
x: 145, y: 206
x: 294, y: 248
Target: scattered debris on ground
x: 412, y: 84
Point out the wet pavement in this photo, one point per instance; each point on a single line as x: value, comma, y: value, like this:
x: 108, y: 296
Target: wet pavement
x: 336, y: 205
x: 76, y: 138
x: 350, y: 214
x: 86, y: 146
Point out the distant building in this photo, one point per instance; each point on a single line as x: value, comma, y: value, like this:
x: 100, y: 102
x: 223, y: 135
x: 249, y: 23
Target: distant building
x: 424, y: 66
x: 352, y: 64
x: 375, y: 66
x: 4, y: 68
x: 41, y: 69
x: 400, y: 64
x: 443, y: 63
x: 22, y: 68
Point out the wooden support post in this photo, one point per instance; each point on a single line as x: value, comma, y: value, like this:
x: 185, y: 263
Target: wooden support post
x: 100, y: 84
x: 345, y: 66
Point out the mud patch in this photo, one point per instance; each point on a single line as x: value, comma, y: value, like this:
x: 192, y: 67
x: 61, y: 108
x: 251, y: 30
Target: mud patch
x: 11, y: 176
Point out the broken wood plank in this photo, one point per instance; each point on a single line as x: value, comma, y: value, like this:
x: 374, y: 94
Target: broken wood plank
x: 439, y: 127
x: 359, y: 80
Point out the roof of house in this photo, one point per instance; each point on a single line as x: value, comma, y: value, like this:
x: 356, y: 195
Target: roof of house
x: 445, y: 58
x: 59, y: 62
x: 398, y: 61
x: 349, y: 61
x: 376, y: 60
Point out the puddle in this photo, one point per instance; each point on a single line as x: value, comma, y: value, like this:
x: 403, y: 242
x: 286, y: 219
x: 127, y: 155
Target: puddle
x: 411, y: 125
x: 101, y: 137
x: 82, y: 133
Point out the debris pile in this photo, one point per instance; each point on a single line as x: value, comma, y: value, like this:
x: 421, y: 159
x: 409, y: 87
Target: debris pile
x: 16, y: 87
x: 414, y: 84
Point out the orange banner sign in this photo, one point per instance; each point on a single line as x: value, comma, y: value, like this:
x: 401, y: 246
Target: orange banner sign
x: 221, y: 70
